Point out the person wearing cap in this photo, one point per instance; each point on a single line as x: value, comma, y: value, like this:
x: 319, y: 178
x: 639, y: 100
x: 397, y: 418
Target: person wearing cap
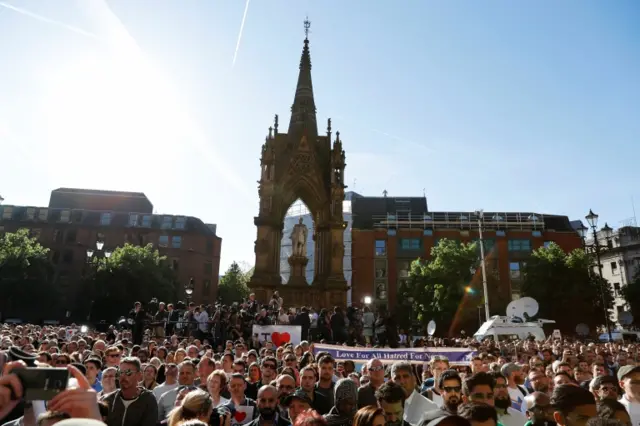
x: 515, y: 380
x: 604, y: 387
x: 629, y: 380
x: 296, y: 403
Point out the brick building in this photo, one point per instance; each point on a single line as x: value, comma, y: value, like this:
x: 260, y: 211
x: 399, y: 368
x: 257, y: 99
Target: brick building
x: 76, y: 219
x: 390, y: 232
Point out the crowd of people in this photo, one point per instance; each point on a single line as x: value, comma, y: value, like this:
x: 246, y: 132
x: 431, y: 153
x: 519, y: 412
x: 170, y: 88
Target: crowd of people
x: 219, y: 323
x: 163, y: 372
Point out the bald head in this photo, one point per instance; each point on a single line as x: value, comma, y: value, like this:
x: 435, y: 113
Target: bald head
x: 267, y: 391
x: 536, y: 399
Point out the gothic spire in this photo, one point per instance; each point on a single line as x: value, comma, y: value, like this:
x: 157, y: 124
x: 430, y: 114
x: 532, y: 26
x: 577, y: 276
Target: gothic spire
x: 303, y: 110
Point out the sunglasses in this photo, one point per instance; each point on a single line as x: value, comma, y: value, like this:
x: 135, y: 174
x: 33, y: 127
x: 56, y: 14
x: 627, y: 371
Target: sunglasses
x: 455, y: 389
x: 126, y: 373
x: 378, y: 368
x: 269, y: 366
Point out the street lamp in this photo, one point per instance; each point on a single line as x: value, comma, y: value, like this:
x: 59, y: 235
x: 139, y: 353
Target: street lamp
x: 367, y: 300
x: 98, y: 251
x: 606, y: 231
x: 188, y: 289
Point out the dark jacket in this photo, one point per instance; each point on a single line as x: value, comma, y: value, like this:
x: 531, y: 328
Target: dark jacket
x: 366, y: 396
x: 435, y: 414
x: 321, y: 403
x: 303, y: 320
x: 279, y: 422
x: 327, y: 393
x: 336, y: 419
x: 142, y: 412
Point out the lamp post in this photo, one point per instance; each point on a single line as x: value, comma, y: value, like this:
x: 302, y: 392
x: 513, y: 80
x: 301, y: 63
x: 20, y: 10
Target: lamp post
x: 98, y: 253
x: 188, y: 290
x: 592, y: 220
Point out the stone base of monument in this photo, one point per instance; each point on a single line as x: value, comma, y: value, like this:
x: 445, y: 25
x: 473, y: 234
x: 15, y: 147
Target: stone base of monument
x: 298, y: 270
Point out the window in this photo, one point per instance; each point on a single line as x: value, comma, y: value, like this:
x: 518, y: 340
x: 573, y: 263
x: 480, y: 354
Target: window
x: 30, y: 214
x: 7, y: 212
x: 209, y: 248
x: 163, y: 241
x: 57, y: 236
x: 43, y: 214
x: 208, y: 268
x: 65, y: 215
x: 403, y: 269
x: 1, y: 231
x: 381, y: 247
x: 105, y: 219
x: 207, y: 284
x: 55, y: 257
x: 381, y: 290
x: 67, y: 257
x: 616, y: 288
x: 70, y: 236
x: 146, y: 221
x: 181, y: 222
x: 514, y: 271
x: 547, y: 244
x: 35, y: 233
x: 519, y: 245
x: 614, y: 268
x: 133, y: 219
x: 391, y: 232
x: 487, y: 243
x: 410, y: 243
x: 381, y: 269
x: 175, y: 264
x: 167, y: 221
x: 427, y: 232
x: 536, y: 234
x: 176, y: 241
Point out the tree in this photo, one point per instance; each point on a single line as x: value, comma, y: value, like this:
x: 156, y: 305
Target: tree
x: 565, y: 289
x: 233, y: 285
x: 631, y: 293
x: 26, y: 277
x: 130, y: 274
x: 443, y: 288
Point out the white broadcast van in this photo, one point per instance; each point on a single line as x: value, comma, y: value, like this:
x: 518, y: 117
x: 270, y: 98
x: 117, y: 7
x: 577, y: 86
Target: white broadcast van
x: 508, y: 328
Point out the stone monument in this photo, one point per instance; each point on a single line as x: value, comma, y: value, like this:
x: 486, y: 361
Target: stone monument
x: 301, y: 164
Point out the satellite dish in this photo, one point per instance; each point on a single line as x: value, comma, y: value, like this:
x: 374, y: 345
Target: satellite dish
x: 625, y: 318
x: 582, y: 329
x: 511, y: 308
x: 431, y: 327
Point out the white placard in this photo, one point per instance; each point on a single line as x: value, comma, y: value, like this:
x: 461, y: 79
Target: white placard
x: 278, y: 334
x: 242, y: 415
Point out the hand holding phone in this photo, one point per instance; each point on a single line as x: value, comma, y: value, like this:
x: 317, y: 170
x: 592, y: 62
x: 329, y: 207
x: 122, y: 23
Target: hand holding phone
x: 42, y: 384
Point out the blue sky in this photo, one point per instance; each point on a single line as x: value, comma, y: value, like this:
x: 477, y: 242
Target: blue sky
x: 506, y: 106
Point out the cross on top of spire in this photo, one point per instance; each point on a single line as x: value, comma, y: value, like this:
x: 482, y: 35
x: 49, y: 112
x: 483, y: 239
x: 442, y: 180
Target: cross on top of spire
x: 307, y: 25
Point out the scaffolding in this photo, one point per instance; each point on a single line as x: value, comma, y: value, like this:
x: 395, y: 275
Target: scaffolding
x: 459, y: 220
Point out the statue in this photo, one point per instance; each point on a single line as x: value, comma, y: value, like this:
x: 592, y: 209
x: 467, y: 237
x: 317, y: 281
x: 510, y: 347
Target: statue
x: 299, y: 239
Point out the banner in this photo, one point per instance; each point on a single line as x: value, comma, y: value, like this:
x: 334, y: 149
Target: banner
x: 278, y: 334
x: 457, y: 356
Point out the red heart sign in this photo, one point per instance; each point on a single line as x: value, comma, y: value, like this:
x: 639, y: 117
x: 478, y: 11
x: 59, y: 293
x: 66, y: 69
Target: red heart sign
x: 280, y: 339
x: 240, y: 416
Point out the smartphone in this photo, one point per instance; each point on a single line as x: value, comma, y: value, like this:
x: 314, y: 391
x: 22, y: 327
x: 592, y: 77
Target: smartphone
x: 42, y: 384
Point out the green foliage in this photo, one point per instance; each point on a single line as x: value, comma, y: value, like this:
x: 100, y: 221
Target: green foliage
x: 130, y: 274
x: 233, y: 285
x: 26, y: 276
x: 631, y: 293
x: 564, y: 288
x: 439, y: 286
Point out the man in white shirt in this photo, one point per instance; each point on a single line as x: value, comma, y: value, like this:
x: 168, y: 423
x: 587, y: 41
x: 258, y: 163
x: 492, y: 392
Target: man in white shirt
x: 170, y: 383
x: 415, y: 405
x: 629, y: 377
x: 515, y: 381
x: 507, y: 415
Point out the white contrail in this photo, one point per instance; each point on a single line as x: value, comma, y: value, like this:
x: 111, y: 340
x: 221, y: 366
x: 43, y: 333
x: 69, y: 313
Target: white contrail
x: 244, y: 18
x: 48, y: 20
